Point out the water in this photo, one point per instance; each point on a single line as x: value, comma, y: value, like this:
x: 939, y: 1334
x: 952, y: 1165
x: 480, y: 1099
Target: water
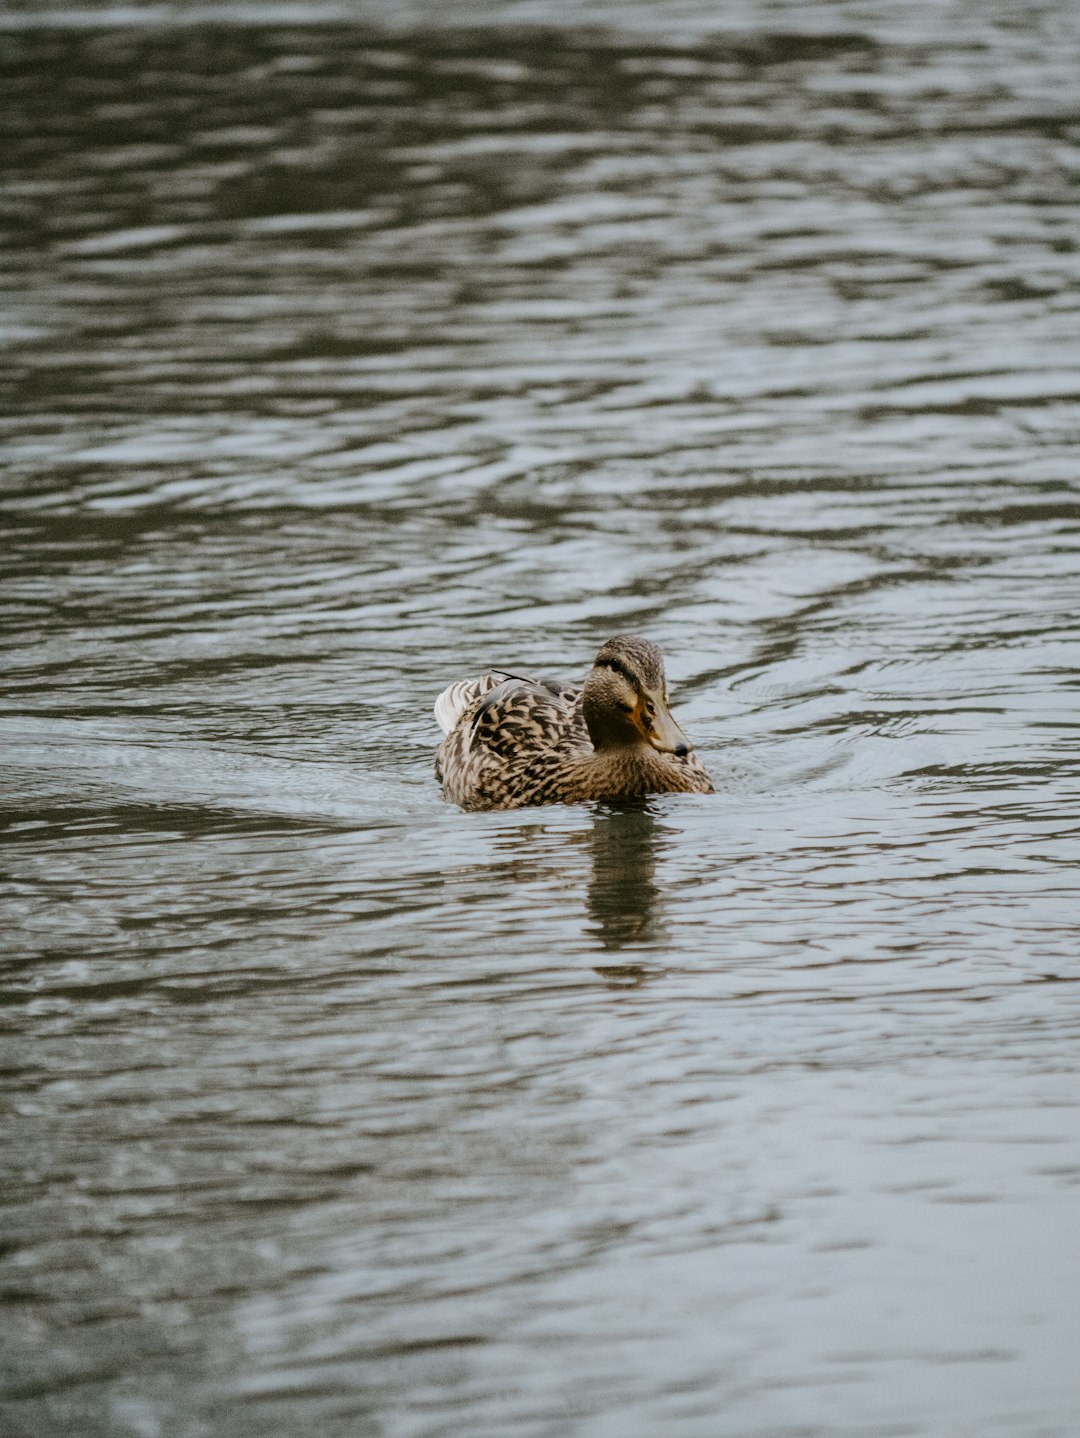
x: 340, y: 361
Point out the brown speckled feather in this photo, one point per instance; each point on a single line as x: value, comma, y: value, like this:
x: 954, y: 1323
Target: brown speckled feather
x: 513, y: 738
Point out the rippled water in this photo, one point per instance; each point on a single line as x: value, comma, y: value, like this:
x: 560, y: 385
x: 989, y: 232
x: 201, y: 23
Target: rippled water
x: 340, y: 362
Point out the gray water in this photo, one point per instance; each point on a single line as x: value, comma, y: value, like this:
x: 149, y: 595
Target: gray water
x: 341, y: 361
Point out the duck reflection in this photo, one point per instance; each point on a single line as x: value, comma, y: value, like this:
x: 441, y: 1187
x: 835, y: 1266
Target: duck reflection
x: 624, y: 901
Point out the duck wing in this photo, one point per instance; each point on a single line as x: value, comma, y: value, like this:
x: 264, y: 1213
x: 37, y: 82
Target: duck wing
x: 506, y: 732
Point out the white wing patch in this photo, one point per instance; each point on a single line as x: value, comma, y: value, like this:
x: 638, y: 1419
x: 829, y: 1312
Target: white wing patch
x: 456, y: 698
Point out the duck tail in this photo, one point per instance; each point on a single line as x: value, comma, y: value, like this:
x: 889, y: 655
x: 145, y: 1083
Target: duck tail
x: 458, y: 697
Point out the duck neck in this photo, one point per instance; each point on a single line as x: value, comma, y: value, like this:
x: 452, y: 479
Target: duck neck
x: 624, y: 769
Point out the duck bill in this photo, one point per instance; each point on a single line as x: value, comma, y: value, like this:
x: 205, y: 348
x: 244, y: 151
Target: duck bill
x: 664, y: 734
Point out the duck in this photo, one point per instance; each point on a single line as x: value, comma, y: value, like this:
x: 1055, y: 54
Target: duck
x: 513, y: 740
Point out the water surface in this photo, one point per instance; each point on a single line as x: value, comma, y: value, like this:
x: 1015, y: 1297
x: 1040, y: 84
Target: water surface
x: 342, y: 360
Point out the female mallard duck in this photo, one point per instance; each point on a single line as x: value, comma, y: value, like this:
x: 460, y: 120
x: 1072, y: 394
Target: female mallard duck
x: 513, y: 741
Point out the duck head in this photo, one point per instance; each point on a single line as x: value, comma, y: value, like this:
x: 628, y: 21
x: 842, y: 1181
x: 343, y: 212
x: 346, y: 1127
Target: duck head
x: 625, y: 699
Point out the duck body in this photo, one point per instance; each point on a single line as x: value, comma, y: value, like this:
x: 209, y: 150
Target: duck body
x: 513, y: 741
